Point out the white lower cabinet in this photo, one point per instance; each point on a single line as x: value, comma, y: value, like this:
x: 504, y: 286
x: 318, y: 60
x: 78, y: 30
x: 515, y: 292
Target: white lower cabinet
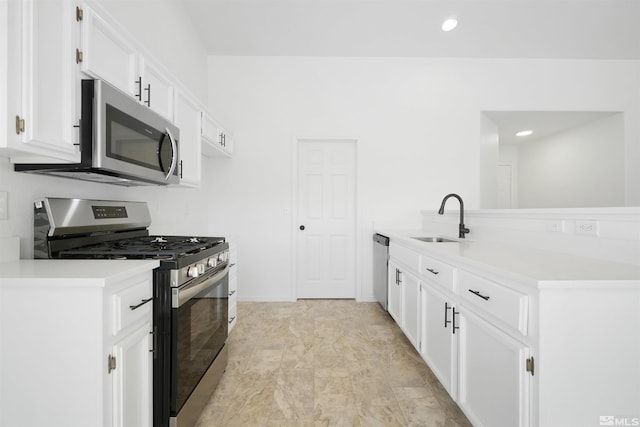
x: 493, y: 380
x: 132, y: 378
x: 394, y: 294
x: 76, y: 343
x: 480, y: 366
x: 438, y: 342
x: 519, y: 351
x: 403, y: 302
x: 233, y: 286
x: 410, y: 311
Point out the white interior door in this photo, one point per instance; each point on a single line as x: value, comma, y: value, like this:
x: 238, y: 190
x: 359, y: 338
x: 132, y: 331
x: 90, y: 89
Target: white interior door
x: 326, y: 212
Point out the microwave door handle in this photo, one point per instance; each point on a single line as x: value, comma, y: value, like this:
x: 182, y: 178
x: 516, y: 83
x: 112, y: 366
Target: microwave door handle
x: 174, y: 157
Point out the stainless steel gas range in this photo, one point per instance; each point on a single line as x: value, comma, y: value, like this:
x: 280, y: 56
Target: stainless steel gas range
x: 190, y: 300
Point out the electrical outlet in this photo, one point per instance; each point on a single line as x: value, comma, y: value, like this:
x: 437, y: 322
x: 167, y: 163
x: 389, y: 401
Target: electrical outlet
x: 555, y: 226
x: 4, y: 205
x: 587, y: 227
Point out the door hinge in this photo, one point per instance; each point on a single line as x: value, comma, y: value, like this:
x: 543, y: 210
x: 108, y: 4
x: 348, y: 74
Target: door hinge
x: 530, y: 365
x: 79, y: 14
x: 19, y: 125
x: 78, y: 56
x: 111, y: 363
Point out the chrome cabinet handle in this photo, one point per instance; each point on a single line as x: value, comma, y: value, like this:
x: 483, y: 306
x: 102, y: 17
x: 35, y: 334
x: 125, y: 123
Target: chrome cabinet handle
x: 478, y: 294
x: 143, y: 302
x: 232, y: 319
x: 431, y: 270
x: 232, y: 292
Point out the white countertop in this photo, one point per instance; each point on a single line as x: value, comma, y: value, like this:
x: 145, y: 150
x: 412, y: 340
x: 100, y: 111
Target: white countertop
x: 529, y: 266
x: 70, y: 273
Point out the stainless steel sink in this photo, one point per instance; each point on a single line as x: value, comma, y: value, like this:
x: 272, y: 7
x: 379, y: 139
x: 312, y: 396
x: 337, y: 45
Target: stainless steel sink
x: 434, y: 239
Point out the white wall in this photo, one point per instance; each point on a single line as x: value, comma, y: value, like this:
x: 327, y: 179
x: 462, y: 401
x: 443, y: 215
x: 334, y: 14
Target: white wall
x: 417, y: 122
x: 489, y: 155
x: 581, y: 167
x: 508, y: 158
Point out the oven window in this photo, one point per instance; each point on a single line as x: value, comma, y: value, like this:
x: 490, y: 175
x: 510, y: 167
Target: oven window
x: 200, y: 327
x: 132, y: 141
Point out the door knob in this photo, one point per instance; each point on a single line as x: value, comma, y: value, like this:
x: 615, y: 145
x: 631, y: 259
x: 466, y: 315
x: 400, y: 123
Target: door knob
x: 302, y: 227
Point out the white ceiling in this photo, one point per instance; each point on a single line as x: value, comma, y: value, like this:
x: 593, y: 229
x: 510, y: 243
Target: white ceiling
x: 576, y: 29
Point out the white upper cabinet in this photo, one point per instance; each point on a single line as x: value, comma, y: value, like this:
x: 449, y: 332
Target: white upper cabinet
x: 156, y: 88
x: 42, y: 96
x: 188, y: 116
x: 106, y: 53
x: 215, y: 140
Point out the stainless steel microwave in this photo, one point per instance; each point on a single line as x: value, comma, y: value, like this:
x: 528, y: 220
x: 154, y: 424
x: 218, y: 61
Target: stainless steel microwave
x: 121, y: 142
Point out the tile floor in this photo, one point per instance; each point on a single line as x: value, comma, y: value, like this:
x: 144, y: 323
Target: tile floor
x: 325, y: 363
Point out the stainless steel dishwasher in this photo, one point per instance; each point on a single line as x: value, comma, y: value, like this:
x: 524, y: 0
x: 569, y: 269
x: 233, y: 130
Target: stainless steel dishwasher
x: 380, y: 265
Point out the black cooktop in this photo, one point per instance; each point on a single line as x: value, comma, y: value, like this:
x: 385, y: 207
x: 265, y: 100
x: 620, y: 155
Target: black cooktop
x: 144, y: 247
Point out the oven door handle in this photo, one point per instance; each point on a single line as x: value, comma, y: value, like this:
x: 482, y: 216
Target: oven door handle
x: 182, y: 295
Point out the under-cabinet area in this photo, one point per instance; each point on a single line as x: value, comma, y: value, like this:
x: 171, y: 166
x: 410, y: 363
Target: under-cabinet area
x: 517, y: 336
x: 77, y: 343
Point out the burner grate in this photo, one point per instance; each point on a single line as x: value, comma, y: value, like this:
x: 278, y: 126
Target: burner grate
x: 145, y: 247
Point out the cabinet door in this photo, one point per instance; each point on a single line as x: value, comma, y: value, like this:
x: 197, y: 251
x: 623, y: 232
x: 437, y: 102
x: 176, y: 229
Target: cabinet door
x: 395, y: 291
x: 410, y: 308
x: 157, y: 89
x: 215, y: 141
x: 439, y: 346
x: 132, y: 379
x: 188, y: 119
x: 107, y: 55
x: 43, y: 87
x: 494, y: 384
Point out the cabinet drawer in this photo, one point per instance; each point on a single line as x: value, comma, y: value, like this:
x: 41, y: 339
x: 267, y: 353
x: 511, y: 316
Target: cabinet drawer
x: 406, y: 256
x: 506, y: 305
x: 129, y: 305
x: 441, y: 273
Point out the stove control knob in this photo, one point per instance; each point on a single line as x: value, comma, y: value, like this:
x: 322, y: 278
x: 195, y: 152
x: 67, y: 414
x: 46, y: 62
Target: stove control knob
x: 201, y: 268
x: 212, y: 262
x: 193, y: 272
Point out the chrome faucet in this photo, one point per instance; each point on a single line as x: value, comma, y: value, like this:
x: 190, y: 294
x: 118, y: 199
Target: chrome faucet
x: 462, y: 230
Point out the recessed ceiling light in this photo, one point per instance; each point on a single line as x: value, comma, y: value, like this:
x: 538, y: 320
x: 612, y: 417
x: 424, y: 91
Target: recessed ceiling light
x: 449, y: 24
x: 524, y: 133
